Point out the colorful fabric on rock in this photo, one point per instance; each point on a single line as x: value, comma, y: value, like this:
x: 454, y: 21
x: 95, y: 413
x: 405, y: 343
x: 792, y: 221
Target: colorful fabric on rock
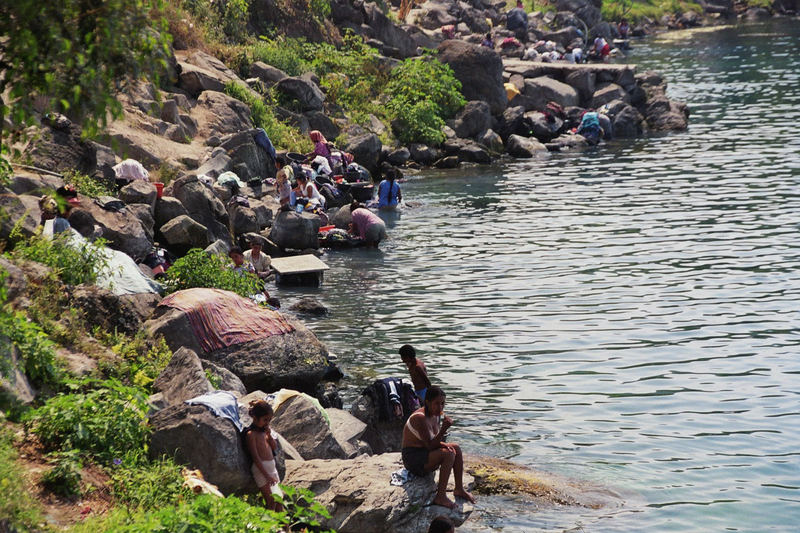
x: 221, y: 319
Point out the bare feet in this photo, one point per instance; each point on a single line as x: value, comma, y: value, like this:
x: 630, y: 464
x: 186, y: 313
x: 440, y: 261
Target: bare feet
x: 444, y: 501
x: 464, y: 494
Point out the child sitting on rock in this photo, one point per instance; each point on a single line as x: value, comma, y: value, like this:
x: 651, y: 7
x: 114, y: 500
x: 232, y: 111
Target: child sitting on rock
x: 262, y: 447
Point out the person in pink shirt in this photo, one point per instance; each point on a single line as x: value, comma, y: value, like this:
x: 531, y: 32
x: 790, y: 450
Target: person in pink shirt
x: 366, y: 225
x: 320, y: 146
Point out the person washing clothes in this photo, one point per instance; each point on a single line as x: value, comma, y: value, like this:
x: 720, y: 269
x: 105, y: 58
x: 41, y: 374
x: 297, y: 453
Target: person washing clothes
x: 389, y: 194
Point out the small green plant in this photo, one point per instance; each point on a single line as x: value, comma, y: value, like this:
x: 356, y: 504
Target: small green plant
x: 320, y: 9
x: 64, y: 478
x: 284, y: 53
x: 75, y: 262
x: 105, y: 420
x: 89, y: 186
x: 149, y: 485
x: 143, y: 359
x: 17, y: 506
x: 422, y: 93
x: 234, y: 20
x: 200, y: 269
x: 214, y: 379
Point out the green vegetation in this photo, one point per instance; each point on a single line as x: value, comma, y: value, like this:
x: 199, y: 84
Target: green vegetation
x: 635, y: 10
x: 64, y: 478
x: 422, y: 93
x: 148, y: 485
x: 74, y: 263
x: 282, y: 135
x: 105, y: 420
x: 200, y: 269
x: 17, y: 506
x: 140, y: 360
x: 89, y: 186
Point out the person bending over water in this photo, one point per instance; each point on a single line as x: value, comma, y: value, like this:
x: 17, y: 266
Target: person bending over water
x: 424, y: 449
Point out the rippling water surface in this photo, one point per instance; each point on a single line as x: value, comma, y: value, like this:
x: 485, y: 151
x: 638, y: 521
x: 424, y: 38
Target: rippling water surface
x: 627, y: 316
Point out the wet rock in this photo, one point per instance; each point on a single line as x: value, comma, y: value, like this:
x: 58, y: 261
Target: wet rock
x: 524, y: 147
x: 608, y: 93
x: 423, y: 154
x: 309, y: 306
x: 541, y: 127
x: 628, y: 122
x: 567, y: 141
x: 399, y: 157
x: 296, y: 231
x: 583, y: 81
x: 358, y: 495
x: 479, y: 70
x: 451, y: 161
x: 663, y: 114
x: 492, y: 141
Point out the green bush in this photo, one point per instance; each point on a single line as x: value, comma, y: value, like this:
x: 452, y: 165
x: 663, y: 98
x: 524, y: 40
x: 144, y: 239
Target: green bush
x: 142, y: 359
x: 148, y: 486
x: 422, y: 93
x: 321, y: 9
x: 282, y: 135
x: 37, y: 352
x: 89, y: 186
x: 210, y: 514
x: 74, y: 263
x: 234, y: 20
x: 17, y: 505
x: 107, y: 421
x: 200, y: 269
x: 284, y: 53
x: 64, y: 478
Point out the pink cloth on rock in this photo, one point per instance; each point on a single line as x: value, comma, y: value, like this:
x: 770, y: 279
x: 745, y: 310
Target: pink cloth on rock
x: 220, y: 319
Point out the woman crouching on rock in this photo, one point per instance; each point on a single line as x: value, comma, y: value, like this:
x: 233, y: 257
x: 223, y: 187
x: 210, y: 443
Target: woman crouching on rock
x: 424, y: 449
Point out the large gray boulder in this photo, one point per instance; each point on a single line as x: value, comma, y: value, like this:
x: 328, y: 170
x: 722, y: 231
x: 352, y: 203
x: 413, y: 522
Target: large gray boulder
x: 366, y: 150
x: 249, y: 160
x: 480, y: 71
x: 381, y: 435
x: 243, y: 219
x: 121, y: 228
x: 380, y: 27
x: 300, y: 420
x: 511, y: 122
x: 584, y: 81
x: 543, y: 90
x: 16, y: 213
x: 225, y: 114
x: 628, y: 122
x: 294, y: 360
x: 139, y: 192
x: 348, y: 431
x: 25, y: 182
x: 473, y: 119
x: 182, y: 379
x: 183, y: 233
x: 542, y: 127
x: 317, y: 120
x: 14, y: 385
x: 359, y: 497
x: 167, y: 208
x: 587, y: 10
x: 267, y: 73
x: 296, y: 231
x: 196, y: 437
x: 202, y: 205
x: 203, y: 72
x: 524, y: 147
x: 304, y: 91
x: 145, y: 215
x: 224, y: 379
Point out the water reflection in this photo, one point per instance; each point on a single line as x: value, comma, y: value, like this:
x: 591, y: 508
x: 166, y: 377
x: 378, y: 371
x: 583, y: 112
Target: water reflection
x: 627, y: 315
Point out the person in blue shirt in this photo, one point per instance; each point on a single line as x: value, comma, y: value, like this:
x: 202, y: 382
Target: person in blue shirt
x: 389, y: 194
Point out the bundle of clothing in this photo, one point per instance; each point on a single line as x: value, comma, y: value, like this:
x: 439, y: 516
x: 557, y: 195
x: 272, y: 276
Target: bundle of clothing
x: 388, y: 394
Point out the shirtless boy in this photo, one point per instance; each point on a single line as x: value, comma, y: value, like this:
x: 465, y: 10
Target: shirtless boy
x: 417, y: 370
x: 424, y: 449
x: 262, y: 447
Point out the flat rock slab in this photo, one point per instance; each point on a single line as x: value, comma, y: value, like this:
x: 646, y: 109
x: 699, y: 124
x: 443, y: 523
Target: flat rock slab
x: 360, y: 498
x: 298, y: 264
x: 534, y: 69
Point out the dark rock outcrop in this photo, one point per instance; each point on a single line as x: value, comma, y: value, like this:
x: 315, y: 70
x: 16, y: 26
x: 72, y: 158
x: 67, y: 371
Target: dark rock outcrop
x: 480, y: 71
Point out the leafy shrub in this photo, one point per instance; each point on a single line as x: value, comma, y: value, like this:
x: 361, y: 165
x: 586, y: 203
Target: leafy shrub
x: 321, y: 9
x: 17, y: 506
x: 37, y: 352
x: 283, y: 53
x: 105, y: 422
x: 89, y: 186
x: 73, y: 262
x: 200, y: 269
x: 282, y: 135
x: 210, y: 514
x: 422, y: 93
x: 148, y: 486
x: 142, y: 358
x: 64, y: 478
x: 234, y: 20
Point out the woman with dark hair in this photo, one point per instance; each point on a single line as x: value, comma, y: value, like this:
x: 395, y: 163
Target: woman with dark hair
x: 424, y: 449
x: 389, y: 194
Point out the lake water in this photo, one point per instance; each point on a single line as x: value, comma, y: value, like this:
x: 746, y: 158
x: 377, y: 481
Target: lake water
x: 627, y: 316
